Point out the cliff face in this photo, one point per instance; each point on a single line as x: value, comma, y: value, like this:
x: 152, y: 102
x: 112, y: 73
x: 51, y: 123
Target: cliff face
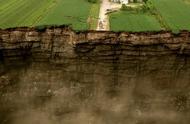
x: 55, y: 44
x: 106, y: 77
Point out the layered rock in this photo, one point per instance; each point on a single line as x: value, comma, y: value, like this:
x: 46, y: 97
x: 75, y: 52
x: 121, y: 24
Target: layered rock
x: 123, y: 76
x: 57, y: 43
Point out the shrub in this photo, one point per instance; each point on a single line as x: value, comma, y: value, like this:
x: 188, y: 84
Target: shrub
x: 139, y: 9
x: 41, y: 28
x: 92, y: 1
x: 126, y: 8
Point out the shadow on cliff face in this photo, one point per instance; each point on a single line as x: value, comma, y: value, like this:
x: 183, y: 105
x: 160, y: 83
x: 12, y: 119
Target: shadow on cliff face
x: 1, y: 55
x: 112, y: 78
x: 137, y: 91
x: 103, y: 85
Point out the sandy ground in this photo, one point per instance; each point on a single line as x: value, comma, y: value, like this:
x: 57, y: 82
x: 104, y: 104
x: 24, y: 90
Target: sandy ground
x: 103, y: 22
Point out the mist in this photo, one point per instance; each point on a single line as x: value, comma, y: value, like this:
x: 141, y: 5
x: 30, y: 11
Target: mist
x: 88, y: 92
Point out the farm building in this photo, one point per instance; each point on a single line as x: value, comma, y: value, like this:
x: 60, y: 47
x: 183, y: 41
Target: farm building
x: 126, y: 1
x: 121, y: 1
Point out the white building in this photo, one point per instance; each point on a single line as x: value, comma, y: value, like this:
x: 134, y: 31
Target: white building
x: 121, y: 1
x: 126, y: 1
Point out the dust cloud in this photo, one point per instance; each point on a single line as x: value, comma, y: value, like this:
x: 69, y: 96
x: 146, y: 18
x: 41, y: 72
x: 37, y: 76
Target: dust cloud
x: 95, y: 93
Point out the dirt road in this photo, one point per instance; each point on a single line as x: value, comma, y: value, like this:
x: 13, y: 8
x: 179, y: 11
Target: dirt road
x: 103, y: 22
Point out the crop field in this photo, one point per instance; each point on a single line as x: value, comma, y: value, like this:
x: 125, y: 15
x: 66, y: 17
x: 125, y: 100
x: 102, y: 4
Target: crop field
x: 81, y: 15
x: 126, y: 21
x: 16, y: 13
x: 176, y: 13
x: 21, y: 12
x: 170, y: 15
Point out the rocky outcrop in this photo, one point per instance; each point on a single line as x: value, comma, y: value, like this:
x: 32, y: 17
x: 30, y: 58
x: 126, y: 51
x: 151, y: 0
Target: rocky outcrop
x: 128, y: 77
x: 57, y: 43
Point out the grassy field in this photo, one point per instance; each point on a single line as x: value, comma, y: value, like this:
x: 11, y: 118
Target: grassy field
x: 81, y: 15
x: 176, y: 13
x: 73, y: 12
x: 170, y: 15
x: 21, y: 12
x: 16, y: 13
x: 127, y: 21
x: 94, y: 15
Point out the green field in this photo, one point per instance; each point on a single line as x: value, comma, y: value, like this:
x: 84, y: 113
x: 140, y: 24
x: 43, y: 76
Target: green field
x: 176, y: 13
x: 81, y: 15
x: 126, y: 21
x: 170, y: 15
x: 16, y: 13
x: 94, y: 13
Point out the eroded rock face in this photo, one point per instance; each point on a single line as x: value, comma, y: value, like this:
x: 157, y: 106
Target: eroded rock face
x: 54, y: 44
x: 103, y: 89
x: 94, y: 77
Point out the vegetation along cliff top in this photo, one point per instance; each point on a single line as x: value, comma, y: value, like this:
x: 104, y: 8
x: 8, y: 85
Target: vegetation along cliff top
x: 106, y: 15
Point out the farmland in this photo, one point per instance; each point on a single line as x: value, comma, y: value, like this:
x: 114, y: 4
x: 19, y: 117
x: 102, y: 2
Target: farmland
x: 164, y: 15
x: 21, y: 12
x: 83, y: 15
x: 176, y: 13
x: 126, y: 21
x: 16, y: 13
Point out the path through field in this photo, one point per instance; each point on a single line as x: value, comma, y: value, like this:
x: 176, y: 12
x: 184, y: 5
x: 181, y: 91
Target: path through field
x: 106, y: 6
x: 103, y: 22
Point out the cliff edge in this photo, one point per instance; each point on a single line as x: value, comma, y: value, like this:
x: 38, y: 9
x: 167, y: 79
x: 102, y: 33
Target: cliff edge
x: 57, y: 43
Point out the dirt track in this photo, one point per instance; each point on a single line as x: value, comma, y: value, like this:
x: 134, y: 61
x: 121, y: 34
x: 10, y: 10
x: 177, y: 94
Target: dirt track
x: 103, y: 22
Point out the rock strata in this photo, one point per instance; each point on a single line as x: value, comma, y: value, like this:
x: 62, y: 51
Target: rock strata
x: 56, y: 43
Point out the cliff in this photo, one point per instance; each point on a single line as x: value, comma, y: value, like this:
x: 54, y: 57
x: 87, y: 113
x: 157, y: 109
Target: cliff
x: 57, y: 43
x: 114, y: 77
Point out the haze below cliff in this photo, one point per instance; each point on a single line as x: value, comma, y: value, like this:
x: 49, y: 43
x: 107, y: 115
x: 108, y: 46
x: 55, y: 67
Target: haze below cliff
x: 135, y: 90
x: 58, y: 76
